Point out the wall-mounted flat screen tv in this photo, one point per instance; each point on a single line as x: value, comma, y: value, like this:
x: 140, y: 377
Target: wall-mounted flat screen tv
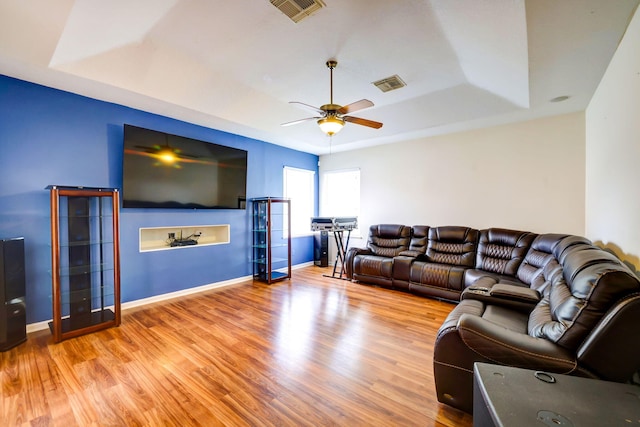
x: 161, y: 170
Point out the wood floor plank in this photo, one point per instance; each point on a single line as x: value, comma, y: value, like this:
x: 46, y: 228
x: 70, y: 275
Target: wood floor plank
x: 310, y: 351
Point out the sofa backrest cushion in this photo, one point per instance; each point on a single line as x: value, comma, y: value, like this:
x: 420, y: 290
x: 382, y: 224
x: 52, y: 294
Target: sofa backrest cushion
x: 418, y: 244
x: 502, y: 251
x: 591, y: 283
x: 560, y: 250
x: 540, y: 253
x: 452, y: 245
x: 388, y: 239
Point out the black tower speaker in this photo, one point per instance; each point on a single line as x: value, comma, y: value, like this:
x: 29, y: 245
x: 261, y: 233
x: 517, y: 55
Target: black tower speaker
x: 13, y: 313
x: 321, y: 249
x: 79, y: 261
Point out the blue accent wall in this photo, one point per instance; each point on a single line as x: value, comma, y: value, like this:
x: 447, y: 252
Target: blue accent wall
x: 48, y: 136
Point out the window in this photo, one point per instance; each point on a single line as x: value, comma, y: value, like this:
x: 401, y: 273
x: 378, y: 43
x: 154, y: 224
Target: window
x: 341, y: 193
x: 299, y: 186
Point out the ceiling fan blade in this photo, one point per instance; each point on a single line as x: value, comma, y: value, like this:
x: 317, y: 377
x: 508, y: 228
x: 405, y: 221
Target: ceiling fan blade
x: 295, y: 122
x: 307, y: 107
x: 363, y: 122
x: 355, y: 106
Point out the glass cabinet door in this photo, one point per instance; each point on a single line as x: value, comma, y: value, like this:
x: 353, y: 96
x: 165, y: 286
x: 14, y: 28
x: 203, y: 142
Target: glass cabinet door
x: 271, y: 239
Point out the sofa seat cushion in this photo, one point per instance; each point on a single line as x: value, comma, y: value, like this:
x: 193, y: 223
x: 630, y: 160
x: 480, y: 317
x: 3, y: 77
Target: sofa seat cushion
x: 444, y: 276
x: 508, y: 319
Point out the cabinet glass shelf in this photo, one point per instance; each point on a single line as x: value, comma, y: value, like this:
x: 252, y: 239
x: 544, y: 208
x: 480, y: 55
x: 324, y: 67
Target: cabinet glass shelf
x: 276, y: 245
x: 96, y: 297
x: 273, y: 260
x: 85, y: 269
x: 271, y: 219
x: 97, y: 217
x: 86, y: 243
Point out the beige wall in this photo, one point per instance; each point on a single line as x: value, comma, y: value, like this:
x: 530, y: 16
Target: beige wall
x: 613, y: 153
x: 526, y: 176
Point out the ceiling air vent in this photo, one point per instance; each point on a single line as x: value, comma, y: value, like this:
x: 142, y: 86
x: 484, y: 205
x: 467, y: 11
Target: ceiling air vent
x: 297, y: 9
x: 390, y: 83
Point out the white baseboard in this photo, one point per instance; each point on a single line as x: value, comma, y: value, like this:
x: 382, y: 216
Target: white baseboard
x: 299, y: 266
x: 34, y: 327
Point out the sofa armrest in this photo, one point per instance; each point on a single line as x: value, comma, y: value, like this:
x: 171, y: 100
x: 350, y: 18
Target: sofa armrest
x: 507, y: 347
x: 350, y: 256
x: 514, y: 297
x: 516, y: 293
x: 483, y: 285
x: 402, y: 268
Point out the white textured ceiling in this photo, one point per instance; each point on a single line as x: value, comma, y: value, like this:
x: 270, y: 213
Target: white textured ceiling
x: 234, y: 65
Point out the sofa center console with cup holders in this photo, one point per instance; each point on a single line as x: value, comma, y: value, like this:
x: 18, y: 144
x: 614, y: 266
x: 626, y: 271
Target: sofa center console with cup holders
x: 553, y: 400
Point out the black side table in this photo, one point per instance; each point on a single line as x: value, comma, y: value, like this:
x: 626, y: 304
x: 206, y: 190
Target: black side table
x: 506, y: 396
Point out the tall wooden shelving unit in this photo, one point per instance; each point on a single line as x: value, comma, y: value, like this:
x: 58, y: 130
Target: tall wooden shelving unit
x: 85, y: 260
x: 271, y: 239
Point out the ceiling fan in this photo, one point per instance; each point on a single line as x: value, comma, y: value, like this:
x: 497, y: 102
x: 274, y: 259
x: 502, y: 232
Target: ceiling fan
x: 331, y: 117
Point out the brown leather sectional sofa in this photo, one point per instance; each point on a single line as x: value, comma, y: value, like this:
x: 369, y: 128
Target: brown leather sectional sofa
x: 549, y: 302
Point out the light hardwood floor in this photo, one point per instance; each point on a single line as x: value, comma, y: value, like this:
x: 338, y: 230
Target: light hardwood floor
x: 310, y: 351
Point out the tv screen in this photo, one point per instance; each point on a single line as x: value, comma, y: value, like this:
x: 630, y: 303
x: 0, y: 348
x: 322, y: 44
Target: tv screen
x: 161, y: 170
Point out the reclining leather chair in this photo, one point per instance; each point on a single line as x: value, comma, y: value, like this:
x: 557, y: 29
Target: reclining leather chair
x: 374, y: 264
x: 500, y: 254
x: 450, y: 251
x: 586, y: 323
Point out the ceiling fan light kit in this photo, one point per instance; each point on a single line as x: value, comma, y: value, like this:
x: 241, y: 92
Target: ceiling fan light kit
x: 332, y: 116
x: 331, y: 125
